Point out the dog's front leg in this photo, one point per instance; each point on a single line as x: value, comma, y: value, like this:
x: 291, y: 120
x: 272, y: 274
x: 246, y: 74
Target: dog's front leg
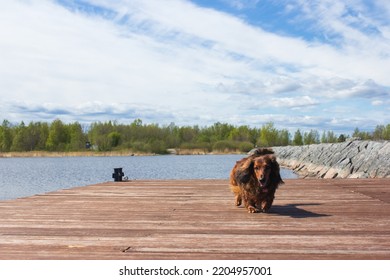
x: 267, y: 203
x: 252, y: 209
x: 250, y: 205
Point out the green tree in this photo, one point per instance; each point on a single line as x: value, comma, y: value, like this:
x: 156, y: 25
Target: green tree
x: 241, y: 133
x: 220, y: 131
x: 20, y: 139
x: 6, y: 136
x: 187, y: 134
x: 268, y: 135
x: 37, y: 134
x: 378, y: 132
x: 153, y: 138
x: 157, y: 147
x: 328, y: 137
x: 171, y: 135
x: 361, y: 134
x: 58, y: 136
x: 77, y: 137
x: 341, y: 138
x: 245, y: 146
x: 311, y: 137
x: 298, y: 138
x: 386, y: 133
x: 225, y: 146
x: 43, y: 128
x: 98, y: 135
x: 283, y: 138
x: 356, y: 132
x: 114, y: 139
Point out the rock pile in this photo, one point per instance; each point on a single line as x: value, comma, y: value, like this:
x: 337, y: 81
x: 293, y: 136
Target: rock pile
x: 351, y: 159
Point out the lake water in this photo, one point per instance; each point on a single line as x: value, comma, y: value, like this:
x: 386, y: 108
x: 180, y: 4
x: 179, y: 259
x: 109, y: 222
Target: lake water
x: 21, y: 177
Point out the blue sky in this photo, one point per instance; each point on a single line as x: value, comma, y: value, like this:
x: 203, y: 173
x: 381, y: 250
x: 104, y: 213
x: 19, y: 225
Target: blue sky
x: 300, y: 64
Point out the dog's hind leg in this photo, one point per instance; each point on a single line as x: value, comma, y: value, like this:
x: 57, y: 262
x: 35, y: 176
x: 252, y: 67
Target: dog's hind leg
x: 237, y: 195
x: 238, y: 199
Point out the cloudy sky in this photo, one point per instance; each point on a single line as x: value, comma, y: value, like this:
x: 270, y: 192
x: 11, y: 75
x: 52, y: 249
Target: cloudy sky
x: 322, y: 64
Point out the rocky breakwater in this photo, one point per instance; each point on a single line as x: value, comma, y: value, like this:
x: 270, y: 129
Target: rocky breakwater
x: 350, y: 159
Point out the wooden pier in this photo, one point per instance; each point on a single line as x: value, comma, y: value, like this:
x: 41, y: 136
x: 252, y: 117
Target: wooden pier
x: 196, y: 219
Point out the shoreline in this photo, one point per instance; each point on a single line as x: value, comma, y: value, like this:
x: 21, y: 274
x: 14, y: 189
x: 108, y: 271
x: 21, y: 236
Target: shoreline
x: 33, y: 154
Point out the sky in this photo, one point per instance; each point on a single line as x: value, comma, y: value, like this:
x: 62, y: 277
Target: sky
x: 321, y: 64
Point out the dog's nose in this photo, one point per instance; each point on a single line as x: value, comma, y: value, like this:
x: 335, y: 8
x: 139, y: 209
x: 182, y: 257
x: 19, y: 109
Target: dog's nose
x: 262, y: 182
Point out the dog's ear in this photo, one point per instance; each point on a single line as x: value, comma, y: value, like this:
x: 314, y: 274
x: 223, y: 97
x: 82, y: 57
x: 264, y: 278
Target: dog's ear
x: 260, y: 152
x: 275, y: 172
x: 245, y: 172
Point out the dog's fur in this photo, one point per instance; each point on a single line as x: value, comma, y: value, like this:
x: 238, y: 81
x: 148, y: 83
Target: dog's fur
x: 254, y: 180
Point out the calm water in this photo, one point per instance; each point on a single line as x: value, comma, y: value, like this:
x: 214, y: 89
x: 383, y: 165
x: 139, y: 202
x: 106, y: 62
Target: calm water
x: 20, y: 177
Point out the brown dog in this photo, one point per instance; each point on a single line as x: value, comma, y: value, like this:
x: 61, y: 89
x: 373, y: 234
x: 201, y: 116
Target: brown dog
x: 254, y: 180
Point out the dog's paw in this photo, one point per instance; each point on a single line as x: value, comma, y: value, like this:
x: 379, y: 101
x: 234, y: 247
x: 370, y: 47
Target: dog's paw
x: 252, y: 209
x: 264, y: 207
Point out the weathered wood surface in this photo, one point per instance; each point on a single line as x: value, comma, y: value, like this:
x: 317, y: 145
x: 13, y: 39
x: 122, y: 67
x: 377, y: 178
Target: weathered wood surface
x: 196, y: 219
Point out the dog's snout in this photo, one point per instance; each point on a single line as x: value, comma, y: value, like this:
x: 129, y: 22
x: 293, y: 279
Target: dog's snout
x: 262, y: 180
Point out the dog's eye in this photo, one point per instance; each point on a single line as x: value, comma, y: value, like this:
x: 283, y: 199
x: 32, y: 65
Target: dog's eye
x: 267, y: 167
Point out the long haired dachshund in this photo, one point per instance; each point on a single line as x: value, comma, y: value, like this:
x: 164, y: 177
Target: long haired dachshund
x: 254, y: 180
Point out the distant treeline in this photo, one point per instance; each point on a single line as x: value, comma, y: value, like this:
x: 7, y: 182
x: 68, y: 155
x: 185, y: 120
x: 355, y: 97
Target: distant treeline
x: 153, y: 138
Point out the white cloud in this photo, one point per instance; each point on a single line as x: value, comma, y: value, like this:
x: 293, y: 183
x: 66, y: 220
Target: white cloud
x: 271, y: 86
x: 232, y: 35
x: 377, y: 102
x: 175, y: 61
x: 241, y: 4
x: 293, y: 102
x: 338, y: 88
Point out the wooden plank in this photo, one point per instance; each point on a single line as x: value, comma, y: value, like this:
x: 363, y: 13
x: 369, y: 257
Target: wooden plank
x: 196, y: 219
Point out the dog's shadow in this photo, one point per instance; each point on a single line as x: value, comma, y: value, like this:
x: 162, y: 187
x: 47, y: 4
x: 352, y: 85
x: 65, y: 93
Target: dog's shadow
x: 294, y: 211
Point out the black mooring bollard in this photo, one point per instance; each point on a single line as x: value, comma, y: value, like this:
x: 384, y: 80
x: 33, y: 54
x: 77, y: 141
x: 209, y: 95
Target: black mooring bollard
x: 118, y: 174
